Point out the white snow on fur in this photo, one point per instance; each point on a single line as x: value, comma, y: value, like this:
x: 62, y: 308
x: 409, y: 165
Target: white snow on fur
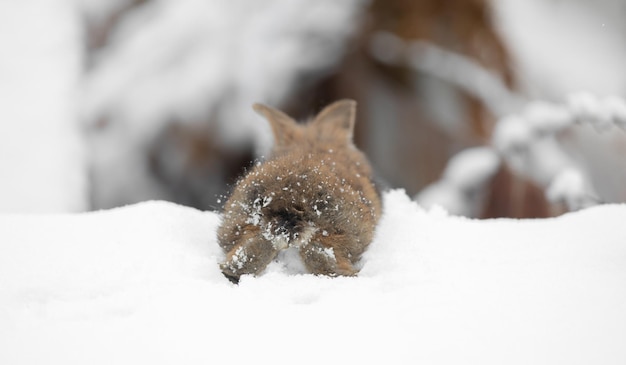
x: 141, y: 284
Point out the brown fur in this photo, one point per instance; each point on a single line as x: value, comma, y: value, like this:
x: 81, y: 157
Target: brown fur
x: 315, y: 193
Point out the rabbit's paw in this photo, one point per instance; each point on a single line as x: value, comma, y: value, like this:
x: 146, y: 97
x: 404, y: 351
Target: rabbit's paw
x: 250, y: 257
x: 323, y: 260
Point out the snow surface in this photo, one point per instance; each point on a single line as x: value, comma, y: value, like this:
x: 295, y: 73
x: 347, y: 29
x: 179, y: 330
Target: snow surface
x: 141, y: 284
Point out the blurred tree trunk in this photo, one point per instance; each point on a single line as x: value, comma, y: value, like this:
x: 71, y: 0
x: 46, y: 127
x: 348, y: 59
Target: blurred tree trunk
x: 410, y: 124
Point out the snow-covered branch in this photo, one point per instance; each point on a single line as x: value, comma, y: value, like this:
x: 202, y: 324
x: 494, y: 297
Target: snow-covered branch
x: 528, y: 141
x: 461, y: 187
x: 461, y: 71
x: 539, y: 119
x: 525, y: 136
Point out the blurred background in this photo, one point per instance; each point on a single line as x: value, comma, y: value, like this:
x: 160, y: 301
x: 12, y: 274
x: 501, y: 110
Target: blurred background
x: 501, y: 108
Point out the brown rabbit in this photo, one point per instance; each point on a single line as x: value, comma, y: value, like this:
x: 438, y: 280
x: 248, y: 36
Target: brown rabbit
x: 314, y: 193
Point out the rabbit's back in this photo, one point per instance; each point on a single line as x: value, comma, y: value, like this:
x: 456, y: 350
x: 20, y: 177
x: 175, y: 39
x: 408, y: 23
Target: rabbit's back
x: 315, y: 193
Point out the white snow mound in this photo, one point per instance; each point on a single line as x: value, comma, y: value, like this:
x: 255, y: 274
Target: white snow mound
x: 141, y: 284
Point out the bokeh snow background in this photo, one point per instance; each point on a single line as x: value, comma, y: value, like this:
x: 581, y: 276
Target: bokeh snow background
x: 187, y: 60
x: 42, y: 153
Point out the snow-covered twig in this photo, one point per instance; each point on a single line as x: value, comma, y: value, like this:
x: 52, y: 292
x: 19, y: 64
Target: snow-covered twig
x: 463, y: 180
x: 525, y: 134
x: 539, y: 119
x: 528, y: 141
x: 452, y: 67
x: 601, y: 113
x: 571, y: 187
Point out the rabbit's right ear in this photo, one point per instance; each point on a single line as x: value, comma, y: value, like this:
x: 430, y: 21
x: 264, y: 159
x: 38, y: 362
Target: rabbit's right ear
x: 286, y: 130
x: 336, y: 121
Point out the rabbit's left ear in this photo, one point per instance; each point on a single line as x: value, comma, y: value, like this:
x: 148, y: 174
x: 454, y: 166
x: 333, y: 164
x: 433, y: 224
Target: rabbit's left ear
x: 336, y: 121
x: 286, y: 130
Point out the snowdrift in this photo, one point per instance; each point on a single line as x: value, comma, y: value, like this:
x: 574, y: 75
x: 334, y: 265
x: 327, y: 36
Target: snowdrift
x: 141, y: 284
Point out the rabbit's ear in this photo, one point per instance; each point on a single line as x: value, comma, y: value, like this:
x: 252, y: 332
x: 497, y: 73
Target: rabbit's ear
x: 286, y: 130
x: 336, y: 121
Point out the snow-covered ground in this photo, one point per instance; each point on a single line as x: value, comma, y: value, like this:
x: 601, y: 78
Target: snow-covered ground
x: 141, y: 284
